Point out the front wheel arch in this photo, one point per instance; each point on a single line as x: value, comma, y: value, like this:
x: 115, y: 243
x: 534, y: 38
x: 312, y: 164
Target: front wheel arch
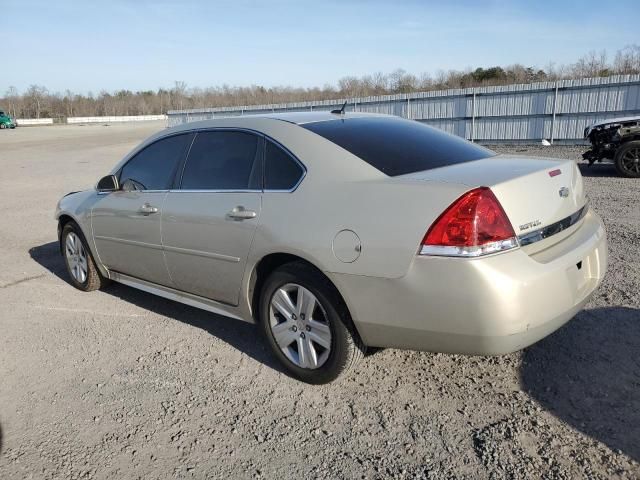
x: 62, y: 221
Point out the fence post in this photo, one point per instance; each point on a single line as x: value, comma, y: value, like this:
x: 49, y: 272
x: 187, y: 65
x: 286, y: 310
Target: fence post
x: 473, y: 116
x: 408, y: 108
x: 553, y: 114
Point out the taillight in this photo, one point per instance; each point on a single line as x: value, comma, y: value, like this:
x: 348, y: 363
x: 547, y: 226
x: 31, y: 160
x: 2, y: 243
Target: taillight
x: 475, y: 224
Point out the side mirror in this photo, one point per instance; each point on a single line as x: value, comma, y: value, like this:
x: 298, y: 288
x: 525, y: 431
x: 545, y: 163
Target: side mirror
x: 108, y: 184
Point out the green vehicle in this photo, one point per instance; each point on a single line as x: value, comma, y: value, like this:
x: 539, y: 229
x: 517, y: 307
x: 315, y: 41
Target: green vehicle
x: 6, y: 121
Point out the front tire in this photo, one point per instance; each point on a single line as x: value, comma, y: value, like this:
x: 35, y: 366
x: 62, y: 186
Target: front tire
x: 81, y: 267
x: 307, y: 325
x: 627, y: 159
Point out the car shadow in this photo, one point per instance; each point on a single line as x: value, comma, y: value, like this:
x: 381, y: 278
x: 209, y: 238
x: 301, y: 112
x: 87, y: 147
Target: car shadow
x: 243, y: 336
x: 598, y: 170
x: 588, y: 375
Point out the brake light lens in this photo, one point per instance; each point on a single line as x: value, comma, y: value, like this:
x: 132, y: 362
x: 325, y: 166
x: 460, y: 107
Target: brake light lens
x: 474, y: 225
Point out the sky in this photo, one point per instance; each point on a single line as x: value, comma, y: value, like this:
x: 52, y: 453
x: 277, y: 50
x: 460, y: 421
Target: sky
x: 85, y: 45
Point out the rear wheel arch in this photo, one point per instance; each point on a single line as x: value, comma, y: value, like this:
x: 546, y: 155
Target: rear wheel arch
x: 270, y: 263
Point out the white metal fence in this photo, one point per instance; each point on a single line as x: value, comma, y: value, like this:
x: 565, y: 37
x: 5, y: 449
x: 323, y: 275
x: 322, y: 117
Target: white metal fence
x: 557, y: 111
x: 34, y: 121
x: 75, y: 120
x: 112, y: 119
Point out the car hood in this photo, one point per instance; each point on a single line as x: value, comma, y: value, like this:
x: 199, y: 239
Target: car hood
x: 611, y: 121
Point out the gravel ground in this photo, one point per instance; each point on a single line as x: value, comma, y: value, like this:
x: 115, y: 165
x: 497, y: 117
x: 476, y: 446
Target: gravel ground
x: 121, y: 384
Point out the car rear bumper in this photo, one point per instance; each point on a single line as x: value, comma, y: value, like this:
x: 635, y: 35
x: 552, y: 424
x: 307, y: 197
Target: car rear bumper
x: 485, y: 306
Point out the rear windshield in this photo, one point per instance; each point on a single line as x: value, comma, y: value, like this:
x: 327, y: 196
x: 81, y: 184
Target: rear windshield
x: 396, y: 146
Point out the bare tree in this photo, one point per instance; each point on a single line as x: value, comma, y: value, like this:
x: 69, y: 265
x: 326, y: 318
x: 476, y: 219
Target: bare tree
x: 627, y: 60
x: 12, y: 97
x: 35, y: 97
x: 36, y: 101
x: 179, y: 91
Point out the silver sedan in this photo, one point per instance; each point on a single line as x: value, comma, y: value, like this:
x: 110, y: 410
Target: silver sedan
x: 338, y: 232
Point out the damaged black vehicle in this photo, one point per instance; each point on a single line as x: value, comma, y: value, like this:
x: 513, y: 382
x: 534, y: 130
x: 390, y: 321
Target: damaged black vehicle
x: 617, y: 139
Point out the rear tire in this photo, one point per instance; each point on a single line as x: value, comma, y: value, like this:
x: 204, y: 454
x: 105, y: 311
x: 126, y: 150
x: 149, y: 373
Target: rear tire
x: 81, y: 267
x: 325, y: 334
x: 627, y: 159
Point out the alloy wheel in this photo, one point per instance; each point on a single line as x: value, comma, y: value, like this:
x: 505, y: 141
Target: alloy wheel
x: 76, y: 257
x: 631, y: 161
x: 300, y: 326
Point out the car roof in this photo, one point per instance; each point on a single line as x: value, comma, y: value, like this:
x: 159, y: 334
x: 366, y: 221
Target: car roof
x: 295, y: 118
x: 300, y: 118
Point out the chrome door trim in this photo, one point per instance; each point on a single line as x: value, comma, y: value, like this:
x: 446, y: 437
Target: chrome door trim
x: 129, y: 242
x: 132, y: 191
x: 200, y: 253
x: 178, y: 296
x: 214, y: 191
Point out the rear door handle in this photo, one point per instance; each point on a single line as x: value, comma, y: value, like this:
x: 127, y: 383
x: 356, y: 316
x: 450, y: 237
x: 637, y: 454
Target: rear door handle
x: 241, y: 213
x: 147, y: 209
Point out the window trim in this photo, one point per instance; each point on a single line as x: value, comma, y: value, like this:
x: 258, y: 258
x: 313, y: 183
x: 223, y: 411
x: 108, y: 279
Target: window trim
x: 177, y: 181
x: 265, y: 138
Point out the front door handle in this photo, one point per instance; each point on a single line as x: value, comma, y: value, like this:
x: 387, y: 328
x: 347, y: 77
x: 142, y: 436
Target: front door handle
x: 147, y: 209
x: 241, y: 213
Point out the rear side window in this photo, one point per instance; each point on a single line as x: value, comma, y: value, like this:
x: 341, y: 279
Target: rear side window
x: 282, y: 172
x: 222, y: 161
x: 396, y: 146
x: 153, y: 167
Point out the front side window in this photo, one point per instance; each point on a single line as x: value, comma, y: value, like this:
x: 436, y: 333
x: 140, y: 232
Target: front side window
x: 222, y: 160
x: 282, y: 172
x: 153, y: 167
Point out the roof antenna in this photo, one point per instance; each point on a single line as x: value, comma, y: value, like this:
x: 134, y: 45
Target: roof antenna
x: 340, y: 111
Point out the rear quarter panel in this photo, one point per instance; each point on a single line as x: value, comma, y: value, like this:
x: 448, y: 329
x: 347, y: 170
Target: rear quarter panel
x: 340, y: 191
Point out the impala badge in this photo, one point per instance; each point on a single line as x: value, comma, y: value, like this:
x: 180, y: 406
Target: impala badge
x: 564, y: 192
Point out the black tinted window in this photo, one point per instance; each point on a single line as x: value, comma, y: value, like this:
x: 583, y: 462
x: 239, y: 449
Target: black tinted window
x: 395, y: 146
x: 153, y: 167
x: 221, y: 161
x: 281, y: 171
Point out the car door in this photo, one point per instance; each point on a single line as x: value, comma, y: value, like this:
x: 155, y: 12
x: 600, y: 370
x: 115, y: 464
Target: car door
x: 208, y: 223
x: 127, y: 224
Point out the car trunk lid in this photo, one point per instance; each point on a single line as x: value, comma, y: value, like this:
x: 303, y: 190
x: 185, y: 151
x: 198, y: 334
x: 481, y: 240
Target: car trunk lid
x: 535, y: 193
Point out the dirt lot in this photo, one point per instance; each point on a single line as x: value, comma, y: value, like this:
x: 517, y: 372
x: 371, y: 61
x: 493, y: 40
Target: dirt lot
x: 120, y: 384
